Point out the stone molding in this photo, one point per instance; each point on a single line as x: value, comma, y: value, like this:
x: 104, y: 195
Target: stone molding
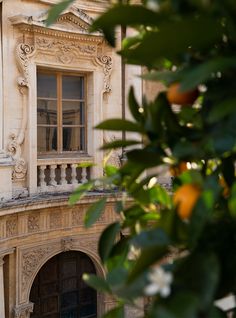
x: 23, y: 311
x: 33, y: 257
x: 23, y: 54
x: 50, y: 219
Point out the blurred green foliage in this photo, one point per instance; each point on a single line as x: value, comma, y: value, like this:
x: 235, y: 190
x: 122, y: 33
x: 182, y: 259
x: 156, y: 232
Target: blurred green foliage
x: 192, y: 42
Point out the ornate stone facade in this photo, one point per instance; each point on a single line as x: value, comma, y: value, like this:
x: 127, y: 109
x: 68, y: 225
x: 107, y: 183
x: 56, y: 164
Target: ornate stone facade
x: 38, y: 223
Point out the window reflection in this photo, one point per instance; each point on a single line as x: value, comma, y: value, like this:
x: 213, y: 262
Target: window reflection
x: 47, y: 139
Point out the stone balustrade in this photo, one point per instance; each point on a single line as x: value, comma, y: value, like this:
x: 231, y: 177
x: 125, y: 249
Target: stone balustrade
x: 62, y: 174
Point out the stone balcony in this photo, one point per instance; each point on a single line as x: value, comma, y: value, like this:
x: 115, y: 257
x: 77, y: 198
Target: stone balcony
x: 62, y: 174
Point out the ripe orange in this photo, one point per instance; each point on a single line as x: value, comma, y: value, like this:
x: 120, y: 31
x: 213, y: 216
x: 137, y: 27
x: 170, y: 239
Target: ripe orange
x: 175, y: 96
x: 185, y: 199
x: 176, y: 170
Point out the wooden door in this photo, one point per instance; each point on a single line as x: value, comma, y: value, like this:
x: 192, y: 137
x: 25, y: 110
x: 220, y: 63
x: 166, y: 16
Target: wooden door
x: 58, y: 290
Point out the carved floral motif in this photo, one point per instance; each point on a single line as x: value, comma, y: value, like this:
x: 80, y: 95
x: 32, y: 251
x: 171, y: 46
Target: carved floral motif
x: 11, y: 226
x: 30, y: 260
x: 33, y: 223
x: 66, y: 51
x: 55, y: 220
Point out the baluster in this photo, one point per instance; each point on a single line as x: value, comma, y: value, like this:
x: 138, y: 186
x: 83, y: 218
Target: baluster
x: 63, y: 180
x: 74, y: 174
x: 53, y: 175
x: 84, y: 175
x: 42, y: 182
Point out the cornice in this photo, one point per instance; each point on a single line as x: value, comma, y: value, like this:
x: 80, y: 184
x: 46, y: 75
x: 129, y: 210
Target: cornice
x: 73, y: 22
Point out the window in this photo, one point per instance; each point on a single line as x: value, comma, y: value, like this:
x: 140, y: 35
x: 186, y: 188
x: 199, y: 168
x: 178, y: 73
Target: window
x: 61, y: 112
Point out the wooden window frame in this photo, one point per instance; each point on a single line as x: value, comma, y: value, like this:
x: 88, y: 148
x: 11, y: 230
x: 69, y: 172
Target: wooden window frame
x: 59, y: 75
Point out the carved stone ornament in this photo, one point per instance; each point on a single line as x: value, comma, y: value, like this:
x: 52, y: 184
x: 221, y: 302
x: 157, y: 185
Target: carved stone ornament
x: 106, y: 62
x: 33, y: 223
x: 30, y: 261
x: 67, y: 244
x: 23, y: 54
x: 23, y: 311
x: 113, y: 156
x: 65, y: 51
x: 14, y: 150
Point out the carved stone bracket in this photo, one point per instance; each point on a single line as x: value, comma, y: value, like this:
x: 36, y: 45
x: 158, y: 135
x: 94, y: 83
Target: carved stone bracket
x: 24, y: 310
x: 106, y: 62
x: 23, y: 54
x: 14, y: 150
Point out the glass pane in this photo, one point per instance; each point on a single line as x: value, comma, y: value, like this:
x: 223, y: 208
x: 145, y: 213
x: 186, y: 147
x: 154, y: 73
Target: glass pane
x: 47, y: 139
x: 73, y: 139
x: 73, y: 113
x: 72, y: 87
x: 47, y: 112
x: 46, y: 85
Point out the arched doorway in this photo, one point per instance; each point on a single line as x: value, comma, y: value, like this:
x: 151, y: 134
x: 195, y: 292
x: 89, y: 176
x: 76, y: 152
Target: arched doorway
x: 58, y: 290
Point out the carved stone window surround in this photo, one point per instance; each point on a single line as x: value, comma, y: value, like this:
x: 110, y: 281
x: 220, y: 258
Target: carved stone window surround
x: 71, y: 46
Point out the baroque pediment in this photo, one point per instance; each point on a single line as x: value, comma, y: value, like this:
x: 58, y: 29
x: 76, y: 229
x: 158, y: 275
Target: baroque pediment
x: 73, y: 21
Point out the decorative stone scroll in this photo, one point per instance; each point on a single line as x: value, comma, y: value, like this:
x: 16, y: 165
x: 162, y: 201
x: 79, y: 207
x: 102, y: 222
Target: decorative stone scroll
x: 106, y: 62
x: 24, y: 310
x: 23, y: 54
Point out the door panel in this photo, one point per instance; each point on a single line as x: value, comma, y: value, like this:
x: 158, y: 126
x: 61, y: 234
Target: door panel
x: 58, y: 290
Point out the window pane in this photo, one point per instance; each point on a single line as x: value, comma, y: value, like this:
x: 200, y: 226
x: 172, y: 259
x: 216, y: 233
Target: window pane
x: 73, y: 139
x: 46, y: 85
x: 72, y: 87
x: 73, y: 113
x: 47, y: 112
x: 47, y: 139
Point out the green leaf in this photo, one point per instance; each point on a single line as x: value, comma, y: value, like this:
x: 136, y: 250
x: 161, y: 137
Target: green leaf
x: 119, y: 125
x: 150, y: 238
x: 96, y: 282
x: 165, y: 76
x: 204, y: 267
x: 119, y: 143
x: 80, y: 192
x: 94, y: 212
x: 221, y: 110
x: 194, y: 76
x: 117, y: 312
x: 148, y: 257
x: 107, y: 240
x: 144, y: 157
x: 183, y: 304
x: 124, y: 15
x: 86, y: 164
x: 56, y: 10
x: 110, y: 170
x: 174, y: 38
x: 134, y: 106
x: 232, y: 201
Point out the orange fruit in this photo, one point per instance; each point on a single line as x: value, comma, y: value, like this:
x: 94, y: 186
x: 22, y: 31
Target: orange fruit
x: 175, y: 96
x: 176, y: 170
x: 185, y: 199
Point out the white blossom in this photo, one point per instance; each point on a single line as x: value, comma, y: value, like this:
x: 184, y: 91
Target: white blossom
x: 159, y: 282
